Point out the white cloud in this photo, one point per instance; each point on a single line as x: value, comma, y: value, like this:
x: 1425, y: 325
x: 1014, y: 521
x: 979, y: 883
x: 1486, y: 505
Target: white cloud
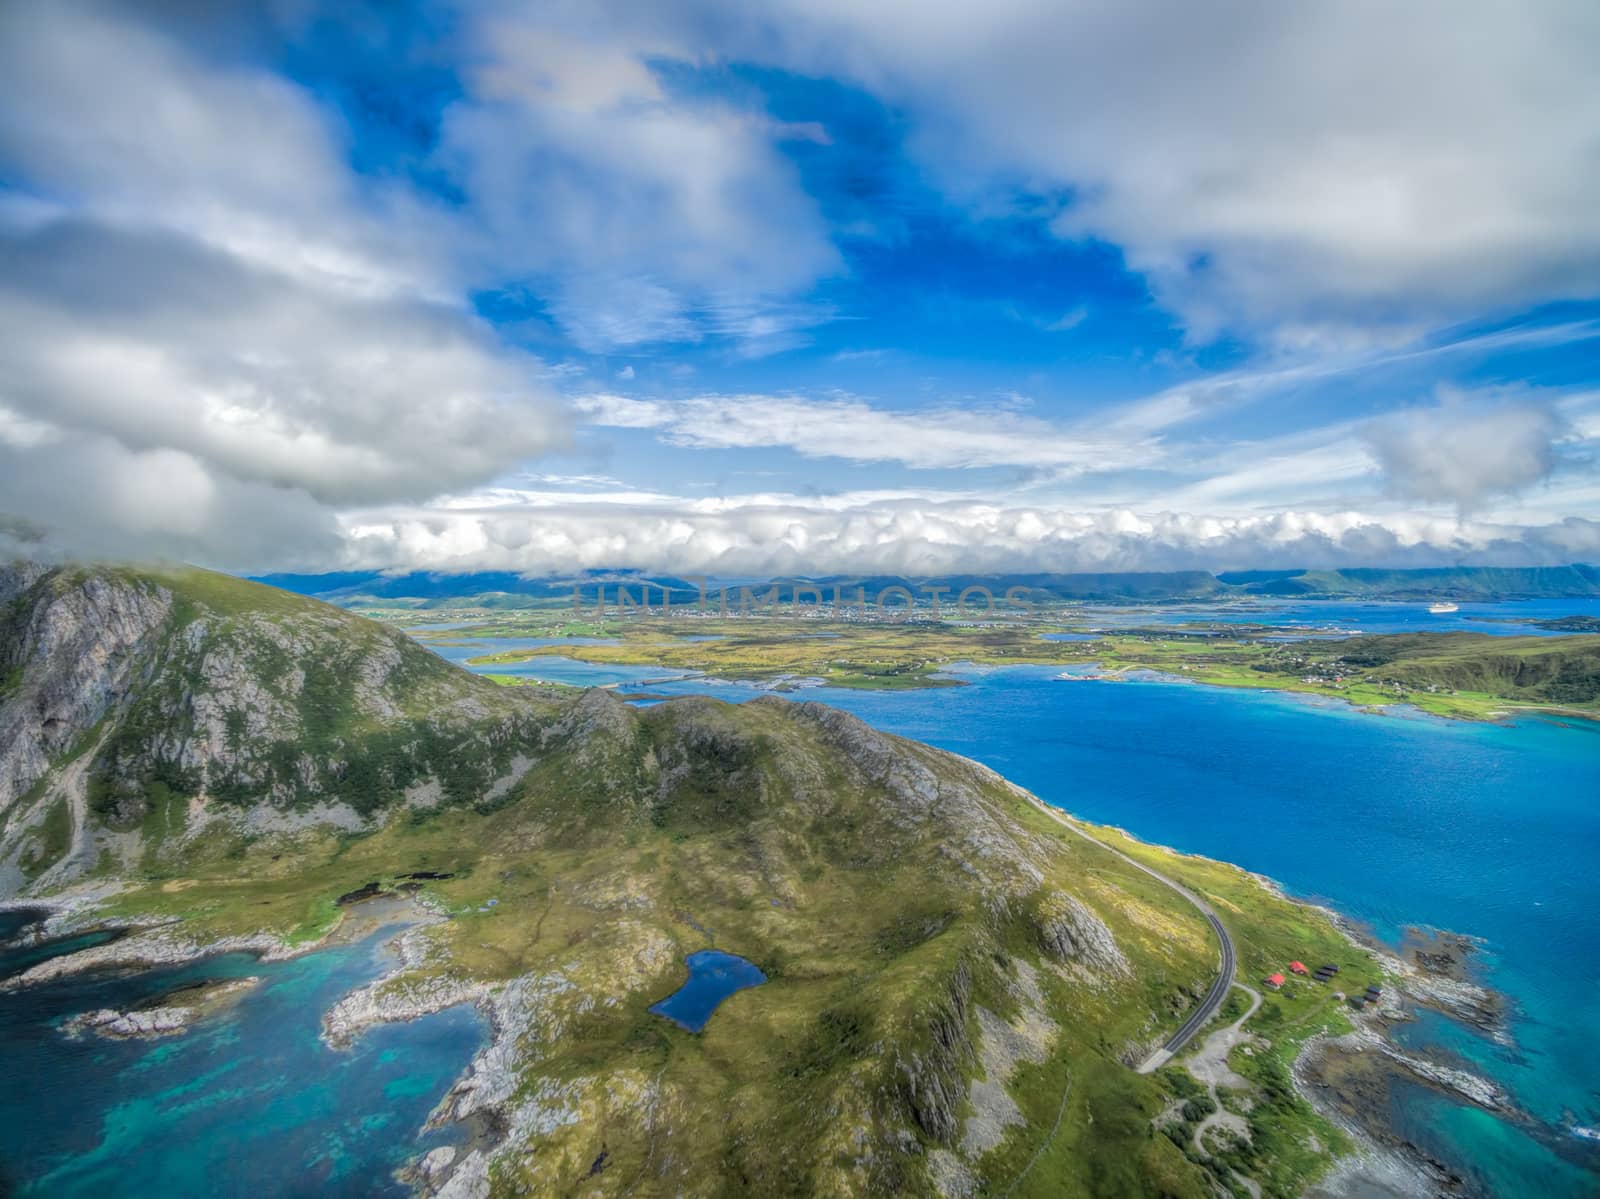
x: 928, y: 535
x: 1316, y: 171
x: 108, y: 115
x: 209, y: 341
x: 925, y: 438
x: 647, y: 215
x: 1467, y: 450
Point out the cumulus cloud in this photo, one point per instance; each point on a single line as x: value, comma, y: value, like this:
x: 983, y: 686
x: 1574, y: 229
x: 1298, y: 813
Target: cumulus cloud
x: 650, y: 215
x: 924, y: 534
x: 109, y: 115
x: 157, y: 342
x: 1465, y: 450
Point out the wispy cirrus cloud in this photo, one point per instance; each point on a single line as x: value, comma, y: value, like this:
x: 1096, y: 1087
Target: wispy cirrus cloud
x: 941, y: 438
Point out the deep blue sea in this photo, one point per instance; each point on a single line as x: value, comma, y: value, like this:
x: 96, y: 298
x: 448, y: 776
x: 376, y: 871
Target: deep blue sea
x: 250, y: 1103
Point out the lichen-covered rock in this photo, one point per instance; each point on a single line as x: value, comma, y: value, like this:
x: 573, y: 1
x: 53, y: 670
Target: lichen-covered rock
x: 393, y: 1000
x: 933, y: 1078
x: 71, y: 649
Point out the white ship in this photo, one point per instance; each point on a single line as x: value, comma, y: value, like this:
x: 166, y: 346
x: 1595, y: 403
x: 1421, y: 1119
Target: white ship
x: 1440, y: 609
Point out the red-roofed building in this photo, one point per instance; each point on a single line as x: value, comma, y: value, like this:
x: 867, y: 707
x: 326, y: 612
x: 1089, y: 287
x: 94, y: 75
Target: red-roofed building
x: 1275, y: 981
x: 1299, y: 967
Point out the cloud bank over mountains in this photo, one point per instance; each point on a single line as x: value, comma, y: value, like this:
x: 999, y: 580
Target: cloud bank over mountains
x: 309, y: 287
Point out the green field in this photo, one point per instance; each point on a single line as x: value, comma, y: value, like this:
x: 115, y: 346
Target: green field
x: 1462, y: 675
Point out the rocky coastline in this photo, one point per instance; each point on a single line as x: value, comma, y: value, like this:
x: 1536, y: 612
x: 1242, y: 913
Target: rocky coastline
x: 1349, y: 1079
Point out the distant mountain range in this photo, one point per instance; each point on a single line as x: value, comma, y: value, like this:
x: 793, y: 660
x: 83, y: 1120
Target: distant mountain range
x: 426, y: 590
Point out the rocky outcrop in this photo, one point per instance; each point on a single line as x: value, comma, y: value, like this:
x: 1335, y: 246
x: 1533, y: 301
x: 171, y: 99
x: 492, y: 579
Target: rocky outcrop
x: 933, y: 1079
x: 166, y: 945
x: 165, y: 1020
x: 1069, y: 931
x: 213, y: 701
x: 72, y: 644
x: 1003, y: 1045
x: 114, y: 1025
x: 393, y: 1001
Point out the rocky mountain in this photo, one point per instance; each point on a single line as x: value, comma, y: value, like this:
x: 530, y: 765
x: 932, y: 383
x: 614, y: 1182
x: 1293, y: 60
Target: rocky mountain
x: 139, y: 704
x: 957, y: 981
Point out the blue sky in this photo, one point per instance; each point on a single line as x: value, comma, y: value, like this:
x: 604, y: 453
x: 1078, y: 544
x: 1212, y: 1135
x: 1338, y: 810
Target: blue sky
x: 820, y: 286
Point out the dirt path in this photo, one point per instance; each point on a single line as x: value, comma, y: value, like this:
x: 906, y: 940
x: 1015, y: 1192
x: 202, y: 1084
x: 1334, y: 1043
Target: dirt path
x: 1043, y: 1145
x: 1210, y: 1066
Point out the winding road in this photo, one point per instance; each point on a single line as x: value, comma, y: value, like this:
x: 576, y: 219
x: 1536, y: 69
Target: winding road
x: 1219, y: 989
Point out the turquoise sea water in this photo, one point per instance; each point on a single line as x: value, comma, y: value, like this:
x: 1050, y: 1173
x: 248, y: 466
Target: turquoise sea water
x: 249, y: 1103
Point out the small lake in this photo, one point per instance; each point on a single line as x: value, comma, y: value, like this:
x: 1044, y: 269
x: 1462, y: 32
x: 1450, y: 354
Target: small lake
x: 713, y: 976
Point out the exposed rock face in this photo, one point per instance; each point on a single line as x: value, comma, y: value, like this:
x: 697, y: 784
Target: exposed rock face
x: 1003, y: 1045
x: 69, y: 652
x: 205, y: 699
x: 933, y: 1083
x: 163, y: 1021
x: 393, y: 1000
x: 1070, y: 932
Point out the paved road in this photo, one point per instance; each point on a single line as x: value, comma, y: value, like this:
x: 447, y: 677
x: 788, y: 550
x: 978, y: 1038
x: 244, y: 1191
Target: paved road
x: 1219, y: 989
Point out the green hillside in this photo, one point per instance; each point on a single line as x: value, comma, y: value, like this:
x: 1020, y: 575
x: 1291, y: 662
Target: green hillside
x: 1539, y: 670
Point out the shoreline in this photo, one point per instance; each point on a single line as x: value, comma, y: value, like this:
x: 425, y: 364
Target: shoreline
x: 1490, y: 709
